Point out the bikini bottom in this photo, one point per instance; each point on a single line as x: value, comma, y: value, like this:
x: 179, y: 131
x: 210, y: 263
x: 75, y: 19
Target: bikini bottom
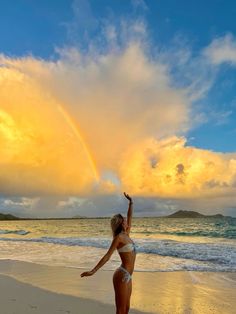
x: 127, y: 277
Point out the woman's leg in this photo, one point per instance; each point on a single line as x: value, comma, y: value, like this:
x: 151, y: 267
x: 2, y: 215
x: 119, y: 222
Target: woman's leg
x: 121, y: 292
x: 129, y: 296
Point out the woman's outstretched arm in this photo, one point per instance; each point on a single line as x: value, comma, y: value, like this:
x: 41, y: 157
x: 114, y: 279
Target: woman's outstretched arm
x: 104, y: 259
x: 130, y: 211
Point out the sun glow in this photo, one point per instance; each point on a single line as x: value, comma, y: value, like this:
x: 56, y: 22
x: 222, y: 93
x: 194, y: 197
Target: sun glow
x: 7, y: 127
x: 42, y: 148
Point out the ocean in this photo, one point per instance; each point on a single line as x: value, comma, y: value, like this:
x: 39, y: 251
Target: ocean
x: 163, y: 244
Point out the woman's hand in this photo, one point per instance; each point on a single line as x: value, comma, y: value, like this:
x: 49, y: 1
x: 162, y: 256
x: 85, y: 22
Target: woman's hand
x: 128, y: 197
x: 87, y: 273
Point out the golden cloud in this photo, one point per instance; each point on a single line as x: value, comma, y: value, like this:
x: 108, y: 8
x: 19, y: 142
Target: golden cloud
x: 169, y: 168
x: 40, y: 149
x: 63, y: 123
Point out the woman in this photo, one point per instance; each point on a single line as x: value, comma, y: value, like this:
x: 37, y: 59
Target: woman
x: 122, y: 280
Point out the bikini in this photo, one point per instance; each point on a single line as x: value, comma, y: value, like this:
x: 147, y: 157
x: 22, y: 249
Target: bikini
x: 129, y: 247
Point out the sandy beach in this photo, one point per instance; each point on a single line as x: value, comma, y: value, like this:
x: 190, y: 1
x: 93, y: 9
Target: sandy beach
x: 31, y: 288
x: 20, y: 298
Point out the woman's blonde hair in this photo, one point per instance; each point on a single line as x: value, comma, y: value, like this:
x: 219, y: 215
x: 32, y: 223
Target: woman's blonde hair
x: 116, y: 224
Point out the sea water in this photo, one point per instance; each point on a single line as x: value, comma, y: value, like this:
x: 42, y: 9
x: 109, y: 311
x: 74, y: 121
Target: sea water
x: 163, y: 244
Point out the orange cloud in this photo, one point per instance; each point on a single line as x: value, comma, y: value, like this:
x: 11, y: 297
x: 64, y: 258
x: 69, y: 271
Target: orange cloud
x: 40, y: 151
x: 64, y: 123
x: 169, y: 168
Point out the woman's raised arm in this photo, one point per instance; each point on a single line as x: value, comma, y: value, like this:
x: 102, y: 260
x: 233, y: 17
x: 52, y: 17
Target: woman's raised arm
x: 130, y: 211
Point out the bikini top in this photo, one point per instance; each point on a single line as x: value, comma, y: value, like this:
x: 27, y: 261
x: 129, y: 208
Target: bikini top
x: 129, y: 247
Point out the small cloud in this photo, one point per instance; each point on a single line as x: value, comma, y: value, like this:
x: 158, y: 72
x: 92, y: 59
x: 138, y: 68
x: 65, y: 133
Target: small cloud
x: 139, y: 4
x: 220, y: 117
x: 180, y: 174
x: 19, y: 202
x: 180, y: 169
x: 153, y: 161
x: 222, y: 50
x: 214, y: 183
x: 83, y: 23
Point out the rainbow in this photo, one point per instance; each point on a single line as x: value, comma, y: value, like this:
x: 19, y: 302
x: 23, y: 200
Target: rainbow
x: 77, y: 133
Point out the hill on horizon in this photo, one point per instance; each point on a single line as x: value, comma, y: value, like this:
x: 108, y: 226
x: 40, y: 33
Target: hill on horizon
x: 177, y: 214
x: 192, y: 214
x: 8, y: 217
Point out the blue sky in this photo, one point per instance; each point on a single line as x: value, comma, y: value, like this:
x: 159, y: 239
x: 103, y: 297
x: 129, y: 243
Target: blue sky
x: 192, y: 47
x: 37, y: 27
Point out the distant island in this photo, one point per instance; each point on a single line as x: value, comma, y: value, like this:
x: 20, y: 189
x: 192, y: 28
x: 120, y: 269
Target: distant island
x: 8, y: 217
x: 193, y: 214
x: 12, y: 217
x: 79, y: 217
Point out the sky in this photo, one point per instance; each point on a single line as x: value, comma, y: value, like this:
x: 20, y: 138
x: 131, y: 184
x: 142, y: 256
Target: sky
x: 101, y: 97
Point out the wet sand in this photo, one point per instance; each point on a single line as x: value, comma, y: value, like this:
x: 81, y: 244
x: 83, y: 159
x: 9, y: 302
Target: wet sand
x: 32, y: 288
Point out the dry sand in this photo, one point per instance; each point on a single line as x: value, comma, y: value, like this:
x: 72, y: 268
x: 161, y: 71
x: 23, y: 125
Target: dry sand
x: 20, y: 298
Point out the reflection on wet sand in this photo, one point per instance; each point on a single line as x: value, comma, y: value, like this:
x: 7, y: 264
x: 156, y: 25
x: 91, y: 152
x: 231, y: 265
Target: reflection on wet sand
x: 157, y: 292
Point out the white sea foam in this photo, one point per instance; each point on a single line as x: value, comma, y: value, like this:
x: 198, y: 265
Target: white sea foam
x: 20, y: 232
x: 158, y: 255
x: 81, y: 243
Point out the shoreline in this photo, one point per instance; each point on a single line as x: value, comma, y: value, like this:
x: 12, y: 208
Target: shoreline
x: 153, y: 292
